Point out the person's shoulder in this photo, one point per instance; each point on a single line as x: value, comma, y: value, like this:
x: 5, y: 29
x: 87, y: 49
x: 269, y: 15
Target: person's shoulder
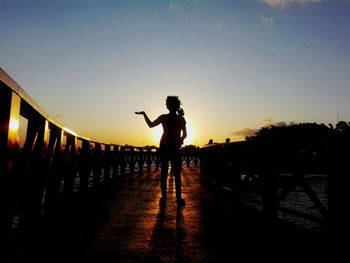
x: 182, y: 118
x: 162, y: 117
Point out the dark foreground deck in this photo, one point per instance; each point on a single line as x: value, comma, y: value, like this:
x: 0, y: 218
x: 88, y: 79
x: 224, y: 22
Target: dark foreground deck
x: 126, y: 224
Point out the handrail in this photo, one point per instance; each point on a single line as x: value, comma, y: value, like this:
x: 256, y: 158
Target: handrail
x: 52, y: 168
x: 36, y: 179
x: 17, y: 89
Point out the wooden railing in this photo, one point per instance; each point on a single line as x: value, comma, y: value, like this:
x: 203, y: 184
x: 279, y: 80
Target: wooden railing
x: 279, y: 177
x: 54, y: 164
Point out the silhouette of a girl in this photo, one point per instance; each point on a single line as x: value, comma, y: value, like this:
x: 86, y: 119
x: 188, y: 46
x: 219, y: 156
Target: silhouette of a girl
x: 174, y: 133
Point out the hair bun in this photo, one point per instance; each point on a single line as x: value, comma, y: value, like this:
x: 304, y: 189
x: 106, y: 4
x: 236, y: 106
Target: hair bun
x: 181, y: 112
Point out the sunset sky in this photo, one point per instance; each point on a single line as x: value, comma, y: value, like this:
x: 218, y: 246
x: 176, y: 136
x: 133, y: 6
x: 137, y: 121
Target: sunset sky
x: 235, y: 65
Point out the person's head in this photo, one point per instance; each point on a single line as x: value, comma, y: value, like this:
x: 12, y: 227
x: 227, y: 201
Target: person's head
x: 173, y: 104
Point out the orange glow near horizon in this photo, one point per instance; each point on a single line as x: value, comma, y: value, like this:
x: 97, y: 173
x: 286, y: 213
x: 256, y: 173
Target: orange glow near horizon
x: 190, y: 134
x: 157, y: 134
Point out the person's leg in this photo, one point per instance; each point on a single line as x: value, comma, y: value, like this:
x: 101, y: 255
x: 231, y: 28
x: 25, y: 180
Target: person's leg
x: 164, y: 176
x: 164, y: 162
x: 177, y: 175
x: 176, y: 167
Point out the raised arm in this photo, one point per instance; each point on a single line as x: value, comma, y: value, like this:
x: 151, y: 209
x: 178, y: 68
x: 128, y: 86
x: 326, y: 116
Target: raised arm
x: 150, y: 123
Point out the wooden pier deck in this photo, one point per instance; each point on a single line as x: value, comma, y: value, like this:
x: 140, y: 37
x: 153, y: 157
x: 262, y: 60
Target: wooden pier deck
x: 67, y: 198
x: 126, y: 224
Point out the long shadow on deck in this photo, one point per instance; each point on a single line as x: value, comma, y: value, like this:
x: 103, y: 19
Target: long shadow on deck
x: 126, y: 224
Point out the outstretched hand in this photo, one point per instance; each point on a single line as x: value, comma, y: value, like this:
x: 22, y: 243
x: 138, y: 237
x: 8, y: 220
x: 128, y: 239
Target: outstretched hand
x: 139, y: 112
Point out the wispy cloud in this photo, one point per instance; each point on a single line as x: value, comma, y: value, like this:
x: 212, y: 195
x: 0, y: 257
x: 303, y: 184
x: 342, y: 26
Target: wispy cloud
x: 285, y: 3
x: 266, y: 20
x: 176, y: 10
x: 244, y: 132
x: 270, y: 122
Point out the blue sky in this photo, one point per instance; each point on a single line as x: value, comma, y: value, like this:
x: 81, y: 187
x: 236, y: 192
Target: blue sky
x: 236, y: 65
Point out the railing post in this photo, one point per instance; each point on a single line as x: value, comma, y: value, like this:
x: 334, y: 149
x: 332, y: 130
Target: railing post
x: 115, y: 161
x: 149, y: 159
x: 140, y: 160
x: 203, y: 166
x: 122, y: 160
x: 55, y: 168
x: 196, y: 156
x: 157, y: 159
x: 96, y: 164
x: 70, y: 171
x: 208, y: 165
x: 5, y: 109
x: 31, y: 177
x: 9, y: 117
x: 132, y: 160
x: 84, y: 166
x: 235, y: 170
x: 107, y: 163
